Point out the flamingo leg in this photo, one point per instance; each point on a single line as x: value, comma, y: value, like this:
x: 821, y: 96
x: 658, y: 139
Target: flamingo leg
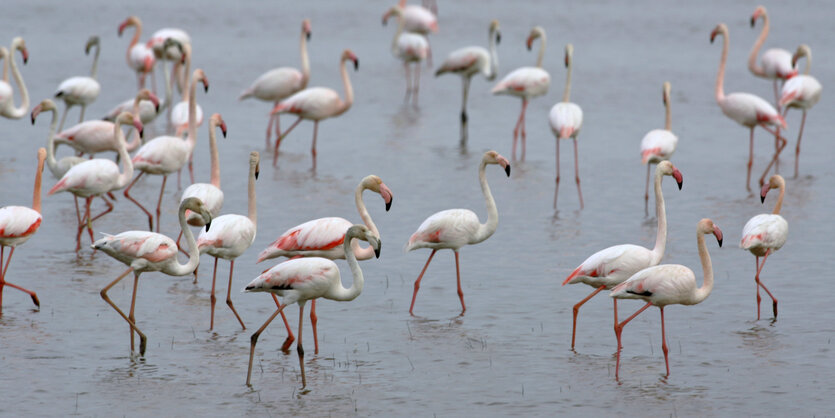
x: 314, y: 319
x: 458, y: 279
x: 82, y: 225
x: 128, y: 196
x: 776, y: 96
x: 3, y: 283
x: 417, y: 283
x: 464, y: 94
x: 750, y: 161
x: 408, y: 81
x: 280, y: 137
x: 797, y: 149
x: 229, y: 294
x: 106, y: 211
x: 523, y: 132
x: 159, y: 202
x: 518, y: 126
x: 77, y: 210
x: 179, y: 237
x: 290, y: 338
x: 760, y: 284
x: 416, y: 84
x: 254, y: 340
x: 664, y: 343
x: 313, y: 146
x: 212, y: 298
x: 277, y: 125
x: 131, y: 315
x: 615, y: 302
x: 557, y: 179
x: 63, y: 117
x: 576, y: 310
x: 782, y: 144
x: 646, y: 194
x: 577, y: 173
x: 299, y: 348
x: 619, y: 331
x: 269, y: 128
x: 142, y: 339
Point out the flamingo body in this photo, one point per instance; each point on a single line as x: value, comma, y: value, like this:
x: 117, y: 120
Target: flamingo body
x: 158, y: 40
x: 90, y: 137
x: 611, y: 266
x: 750, y: 110
x: 566, y: 119
x: 419, y: 19
x: 764, y: 232
x: 229, y: 237
x: 315, y: 103
x: 276, y: 84
x: 801, y: 91
x: 18, y: 224
x: 777, y: 63
x: 162, y: 155
x: 79, y: 90
x: 412, y: 47
x: 89, y: 178
x: 447, y: 229
x: 467, y: 62
x: 209, y: 194
x: 179, y: 115
x: 321, y: 237
x: 525, y: 82
x: 658, y: 145
x: 147, y: 110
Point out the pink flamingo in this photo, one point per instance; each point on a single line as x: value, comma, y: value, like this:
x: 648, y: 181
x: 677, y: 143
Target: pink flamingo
x: 609, y: 267
x: 317, y: 103
x: 179, y: 113
x: 323, y: 237
x: 775, y: 63
x: 766, y: 233
x: 746, y: 109
x: 81, y: 90
x: 166, y: 154
x: 279, y: 83
x: 659, y: 144
x: 149, y: 251
x: 168, y: 52
x: 7, y: 107
x: 526, y: 83
x: 230, y: 237
x: 668, y: 284
x: 140, y: 58
x: 409, y: 47
x: 470, y: 61
x: 455, y: 228
x: 802, y: 92
x: 566, y: 119
x: 420, y: 20
x: 303, y: 279
x: 17, y: 225
x: 98, y: 176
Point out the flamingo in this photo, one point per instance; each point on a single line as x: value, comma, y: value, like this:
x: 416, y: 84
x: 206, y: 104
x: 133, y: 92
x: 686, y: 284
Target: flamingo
x: 668, y: 284
x: 140, y: 58
x: 746, y: 109
x: 303, y: 279
x: 81, y: 90
x: 17, y: 225
x: 279, y: 83
x: 470, y: 61
x: 609, y: 267
x: 179, y: 112
x: 801, y: 91
x: 323, y: 237
x: 409, y: 47
x: 566, y: 119
x: 169, y: 52
x: 7, y: 107
x: 526, y: 83
x: 149, y: 251
x: 775, y: 63
x: 766, y: 233
x: 419, y: 19
x: 98, y: 176
x: 166, y: 154
x: 317, y: 103
x: 230, y: 237
x: 659, y: 144
x: 455, y: 228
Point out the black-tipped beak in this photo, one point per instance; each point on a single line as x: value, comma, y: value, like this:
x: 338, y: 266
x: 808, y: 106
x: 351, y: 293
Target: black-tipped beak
x: 356, y: 64
x: 256, y: 174
x: 156, y: 108
x: 205, y: 88
x: 388, y: 204
x: 142, y: 133
x: 762, y: 197
x: 223, y: 131
x: 307, y: 36
x: 720, y: 242
x: 507, y: 170
x: 59, y: 94
x: 33, y: 119
x: 753, y: 22
x: 529, y: 47
x: 680, y: 183
x: 377, y: 250
x: 498, y: 37
x: 208, y: 225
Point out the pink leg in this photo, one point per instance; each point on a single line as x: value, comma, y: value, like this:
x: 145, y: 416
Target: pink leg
x: 615, y: 302
x: 458, y: 278
x: 83, y: 224
x: 619, y: 331
x: 179, y: 237
x: 314, y: 319
x: 254, y: 340
x: 277, y: 126
x: 313, y: 146
x: 212, y: 298
x: 577, y: 173
x: 750, y: 161
x: 127, y: 195
x: 290, y: 338
x: 523, y: 132
x: 646, y: 194
x: 159, y: 202
x: 408, y: 82
x: 281, y: 137
x: 760, y: 284
x: 664, y: 343
x: 417, y: 283
x: 557, y: 180
x: 131, y: 316
x: 106, y: 211
x: 3, y: 282
x: 229, y: 294
x: 269, y: 128
x: 797, y: 149
x: 518, y: 126
x: 576, y: 311
x: 299, y: 348
x: 77, y: 210
x: 142, y: 339
x: 416, y: 84
x: 782, y: 144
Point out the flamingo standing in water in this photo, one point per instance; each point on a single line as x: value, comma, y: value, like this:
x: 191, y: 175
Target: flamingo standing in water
x: 317, y: 103
x: 17, y: 225
x: 81, y: 90
x: 746, y: 109
x: 668, y: 284
x: 766, y: 233
x: 230, y: 237
x: 526, y: 83
x: 470, y: 61
x: 96, y: 177
x: 566, y: 119
x: 279, y: 83
x: 659, y: 144
x: 179, y: 112
x: 609, y: 267
x: 7, y: 107
x: 140, y: 58
x: 455, y: 228
x: 775, y: 63
x: 421, y: 20
x: 323, y: 237
x: 149, y: 251
x: 801, y: 91
x: 409, y: 47
x: 303, y: 279
x: 169, y: 52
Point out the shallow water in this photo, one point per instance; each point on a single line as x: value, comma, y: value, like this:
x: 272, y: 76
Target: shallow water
x: 510, y: 353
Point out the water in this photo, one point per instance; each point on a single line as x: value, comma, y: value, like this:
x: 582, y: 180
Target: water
x: 510, y: 353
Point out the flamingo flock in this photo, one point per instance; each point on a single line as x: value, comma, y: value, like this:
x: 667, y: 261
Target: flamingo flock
x: 627, y: 271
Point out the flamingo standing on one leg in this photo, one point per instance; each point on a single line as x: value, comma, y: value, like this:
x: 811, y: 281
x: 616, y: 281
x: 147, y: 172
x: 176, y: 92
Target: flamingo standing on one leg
x: 409, y: 47
x: 81, y: 90
x: 775, y: 63
x: 140, y: 58
x: 317, y: 104
x: 526, y: 83
x: 421, y: 20
x: 323, y: 237
x: 149, y: 251
x: 668, y: 284
x: 566, y: 119
x: 7, y: 107
x: 279, y: 83
x: 609, y: 267
x: 230, y: 237
x: 766, y: 233
x: 801, y: 91
x: 17, y: 225
x: 470, y: 61
x: 658, y: 144
x: 303, y: 279
x: 746, y: 109
x: 455, y: 228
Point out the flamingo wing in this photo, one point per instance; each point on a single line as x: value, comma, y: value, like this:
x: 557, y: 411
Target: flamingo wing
x: 766, y: 231
x: 467, y: 60
x: 89, y: 178
x: 661, y: 285
x: 658, y: 145
x: 312, y: 102
x: 82, y: 90
x: 525, y: 81
x: 611, y: 265
x: 318, y: 235
x: 132, y: 245
x: 18, y: 222
x: 275, y: 84
x: 452, y: 227
x: 163, y: 154
x: 802, y: 91
x: 300, y: 278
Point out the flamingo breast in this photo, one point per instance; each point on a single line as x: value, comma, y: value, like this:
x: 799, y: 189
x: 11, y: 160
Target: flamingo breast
x: 566, y: 119
x: 764, y: 232
x: 18, y: 224
x: 412, y: 47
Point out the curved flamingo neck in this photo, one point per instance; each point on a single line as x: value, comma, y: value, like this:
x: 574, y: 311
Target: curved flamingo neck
x: 755, y: 68
x: 668, y: 117
x: 661, y: 214
x: 192, y: 112
x: 168, y: 88
x: 186, y: 70
x: 367, y: 252
x: 127, y: 163
x: 541, y: 55
x: 494, y: 56
x: 707, y: 286
x: 349, y: 91
x: 252, y: 212
x: 176, y: 268
x: 401, y: 23
x: 305, y: 59
x: 215, y: 163
x: 779, y: 205
x: 137, y: 33
x: 36, y: 195
x: 17, y: 112
x: 720, y: 77
x: 337, y: 291
x: 806, y: 52
x: 566, y: 95
x: 94, y: 71
x: 135, y: 140
x: 50, y: 146
x: 4, y: 55
x: 487, y: 229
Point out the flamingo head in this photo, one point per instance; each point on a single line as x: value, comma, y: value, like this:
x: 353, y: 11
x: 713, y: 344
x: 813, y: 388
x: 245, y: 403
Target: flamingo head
x: 536, y: 32
x: 217, y: 120
x: 200, y: 76
x: 306, y: 28
x: 146, y: 94
x: 666, y: 168
x: 126, y: 118
x: 362, y: 232
x: 349, y: 55
x: 569, y: 53
x: 493, y: 157
x: 376, y: 185
x: 93, y: 41
x: 19, y: 44
x: 758, y: 12
x: 719, y: 29
x: 775, y: 182
x: 255, y: 159
x: 394, y: 11
x: 196, y: 205
x: 130, y: 21
x: 494, y: 27
x: 45, y: 105
x: 802, y: 51
x: 665, y: 95
x: 173, y: 43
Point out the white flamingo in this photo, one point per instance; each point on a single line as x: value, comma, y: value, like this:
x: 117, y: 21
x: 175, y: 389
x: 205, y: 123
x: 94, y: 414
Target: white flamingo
x: 802, y: 92
x: 566, y: 119
x: 659, y: 144
x: 411, y: 48
x: 81, y: 90
x: 7, y: 107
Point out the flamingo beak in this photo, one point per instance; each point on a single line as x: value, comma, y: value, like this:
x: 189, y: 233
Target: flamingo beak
x: 529, y: 43
x: 498, y: 37
x: 138, y: 125
x: 25, y: 54
x: 356, y: 63
x: 208, y: 225
x: 155, y: 100
x: 764, y: 191
x: 718, y: 233
x: 122, y: 27
x: 387, y: 197
x: 678, y: 177
x: 712, y: 36
x: 257, y: 171
x: 753, y: 20
x: 205, y: 85
x: 223, y: 128
x: 35, y: 112
x: 378, y: 248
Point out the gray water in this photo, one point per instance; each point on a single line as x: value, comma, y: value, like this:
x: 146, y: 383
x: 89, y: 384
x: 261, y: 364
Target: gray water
x: 510, y: 354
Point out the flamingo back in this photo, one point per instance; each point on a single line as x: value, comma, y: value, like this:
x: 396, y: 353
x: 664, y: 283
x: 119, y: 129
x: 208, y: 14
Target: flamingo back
x: 611, y: 266
x: 228, y: 238
x: 662, y: 285
x: 89, y: 178
x: 452, y: 228
x: 179, y: 115
x: 79, y: 90
x: 18, y: 224
x: 412, y: 47
x: 419, y: 19
x: 524, y: 82
x: 275, y: 85
x: 162, y: 155
x: 750, y: 110
x: 321, y: 237
x: 764, y: 232
x: 802, y: 91
x: 314, y: 103
x: 150, y: 249
x: 300, y: 279
x: 141, y: 58
x: 658, y: 145
x: 777, y: 63
x: 466, y: 61
x: 91, y: 137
